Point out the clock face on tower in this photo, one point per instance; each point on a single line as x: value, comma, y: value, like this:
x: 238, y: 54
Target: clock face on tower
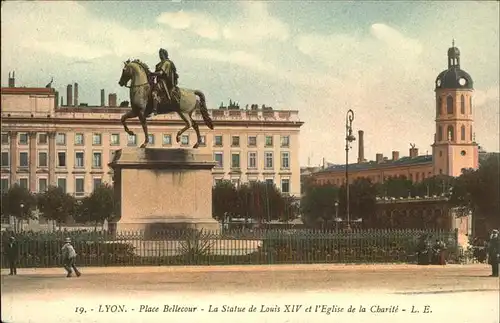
x: 462, y: 81
x: 438, y: 83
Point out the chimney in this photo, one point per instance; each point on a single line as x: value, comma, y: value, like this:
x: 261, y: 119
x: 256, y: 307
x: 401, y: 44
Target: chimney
x: 379, y: 158
x: 12, y: 79
x: 76, y: 95
x: 112, y: 100
x: 361, y: 147
x: 56, y: 100
x: 413, y: 152
x: 395, y: 155
x: 103, y: 100
x: 69, y: 95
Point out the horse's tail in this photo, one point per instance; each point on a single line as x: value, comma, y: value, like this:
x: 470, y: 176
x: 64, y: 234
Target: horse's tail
x: 204, y: 110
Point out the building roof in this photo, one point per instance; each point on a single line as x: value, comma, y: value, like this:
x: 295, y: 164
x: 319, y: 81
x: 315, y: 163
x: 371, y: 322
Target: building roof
x: 454, y: 78
x: 403, y: 161
x: 27, y: 90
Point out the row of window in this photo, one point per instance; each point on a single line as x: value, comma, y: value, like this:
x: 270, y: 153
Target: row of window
x: 60, y: 162
x: 414, y: 177
x: 114, y: 140
x: 450, y: 131
x: 252, y: 160
x: 285, y: 183
x: 43, y: 184
x: 450, y: 109
x: 97, y: 159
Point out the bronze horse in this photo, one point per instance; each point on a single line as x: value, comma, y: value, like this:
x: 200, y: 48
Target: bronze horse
x: 141, y: 102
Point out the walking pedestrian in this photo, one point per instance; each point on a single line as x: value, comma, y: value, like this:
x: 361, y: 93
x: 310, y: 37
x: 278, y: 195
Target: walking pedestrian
x: 494, y: 252
x: 11, y: 251
x: 69, y: 258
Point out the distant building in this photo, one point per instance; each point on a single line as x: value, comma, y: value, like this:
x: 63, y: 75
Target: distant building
x: 70, y: 146
x: 454, y: 146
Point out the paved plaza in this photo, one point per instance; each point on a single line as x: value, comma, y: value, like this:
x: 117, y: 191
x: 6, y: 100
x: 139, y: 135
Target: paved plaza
x: 140, y: 294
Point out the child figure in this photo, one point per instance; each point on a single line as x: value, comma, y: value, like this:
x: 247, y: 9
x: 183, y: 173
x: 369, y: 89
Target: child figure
x: 69, y: 257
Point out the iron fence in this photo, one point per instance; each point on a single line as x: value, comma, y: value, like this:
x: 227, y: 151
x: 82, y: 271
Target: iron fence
x: 192, y: 247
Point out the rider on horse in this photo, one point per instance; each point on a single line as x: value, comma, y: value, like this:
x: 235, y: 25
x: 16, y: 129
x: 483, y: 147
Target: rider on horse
x: 166, y: 89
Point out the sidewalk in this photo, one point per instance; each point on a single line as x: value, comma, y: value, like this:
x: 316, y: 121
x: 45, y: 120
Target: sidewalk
x: 243, y: 268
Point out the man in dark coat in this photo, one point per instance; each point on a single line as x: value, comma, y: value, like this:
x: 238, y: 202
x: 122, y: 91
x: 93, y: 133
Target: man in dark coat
x: 438, y: 250
x: 11, y: 251
x: 494, y: 252
x: 424, y: 251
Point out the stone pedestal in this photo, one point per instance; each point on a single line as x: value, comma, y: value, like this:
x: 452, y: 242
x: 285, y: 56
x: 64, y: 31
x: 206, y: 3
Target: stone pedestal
x: 163, y: 189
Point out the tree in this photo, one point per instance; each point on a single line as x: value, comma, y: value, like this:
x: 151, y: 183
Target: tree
x: 291, y: 210
x: 262, y: 202
x: 56, y: 205
x: 20, y: 203
x: 224, y: 200
x: 362, y: 199
x: 258, y: 200
x: 271, y: 203
x: 99, y: 206
x: 479, y: 191
x: 435, y: 185
x: 397, y: 187
x: 318, y: 204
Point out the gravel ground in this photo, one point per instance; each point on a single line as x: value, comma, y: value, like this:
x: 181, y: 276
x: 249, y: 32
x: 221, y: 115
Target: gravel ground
x: 387, y: 278
x: 389, y: 293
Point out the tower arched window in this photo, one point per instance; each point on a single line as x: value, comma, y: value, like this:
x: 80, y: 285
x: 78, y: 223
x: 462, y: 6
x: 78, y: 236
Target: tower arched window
x: 440, y: 133
x: 462, y: 105
x: 462, y: 133
x: 470, y: 104
x: 449, y: 105
x: 471, y: 134
x: 439, y: 103
x: 450, y: 133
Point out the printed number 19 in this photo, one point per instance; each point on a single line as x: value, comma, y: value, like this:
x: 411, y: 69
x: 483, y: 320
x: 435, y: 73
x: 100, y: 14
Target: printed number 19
x: 79, y: 310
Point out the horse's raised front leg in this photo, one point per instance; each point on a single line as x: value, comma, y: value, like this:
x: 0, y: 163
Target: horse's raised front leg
x: 144, y: 124
x: 130, y: 114
x: 184, y: 116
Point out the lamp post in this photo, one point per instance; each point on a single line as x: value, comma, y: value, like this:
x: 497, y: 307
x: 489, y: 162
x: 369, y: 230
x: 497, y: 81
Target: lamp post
x: 22, y: 214
x: 348, y: 139
x: 336, y: 214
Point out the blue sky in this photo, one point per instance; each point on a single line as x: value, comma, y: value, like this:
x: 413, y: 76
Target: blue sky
x: 320, y: 58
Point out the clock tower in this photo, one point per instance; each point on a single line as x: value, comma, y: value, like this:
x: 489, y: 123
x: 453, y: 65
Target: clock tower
x: 454, y: 145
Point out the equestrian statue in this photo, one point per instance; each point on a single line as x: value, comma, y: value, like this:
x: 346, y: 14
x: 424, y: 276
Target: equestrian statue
x: 157, y: 93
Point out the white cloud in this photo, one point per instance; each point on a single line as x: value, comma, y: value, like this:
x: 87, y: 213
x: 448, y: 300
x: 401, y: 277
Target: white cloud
x: 399, y: 45
x: 240, y: 58
x: 256, y: 24
x: 253, y: 24
x: 77, y: 34
x: 201, y: 24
